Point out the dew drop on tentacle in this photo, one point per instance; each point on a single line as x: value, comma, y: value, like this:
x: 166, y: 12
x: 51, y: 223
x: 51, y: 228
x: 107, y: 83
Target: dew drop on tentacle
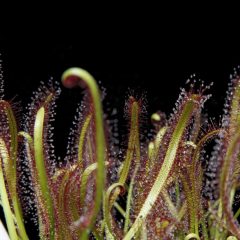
x: 229, y: 122
x: 25, y: 186
x: 183, y: 157
x: 45, y: 96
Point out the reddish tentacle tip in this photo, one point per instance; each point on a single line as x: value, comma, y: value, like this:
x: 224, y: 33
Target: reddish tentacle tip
x: 131, y: 100
x: 71, y: 81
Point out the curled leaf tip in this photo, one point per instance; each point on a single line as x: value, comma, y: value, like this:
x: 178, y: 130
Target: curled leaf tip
x: 74, y: 77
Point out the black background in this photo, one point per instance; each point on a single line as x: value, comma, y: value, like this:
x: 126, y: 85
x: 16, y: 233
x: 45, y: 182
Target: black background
x: 148, y: 53
x: 152, y: 59
x: 153, y: 55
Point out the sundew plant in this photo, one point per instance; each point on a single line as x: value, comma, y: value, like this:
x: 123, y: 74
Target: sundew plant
x: 181, y: 183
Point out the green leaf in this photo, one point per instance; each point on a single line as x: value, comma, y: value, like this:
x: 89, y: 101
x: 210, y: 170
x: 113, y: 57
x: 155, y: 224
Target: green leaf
x: 168, y: 162
x: 9, y: 216
x: 41, y: 168
x: 79, y: 77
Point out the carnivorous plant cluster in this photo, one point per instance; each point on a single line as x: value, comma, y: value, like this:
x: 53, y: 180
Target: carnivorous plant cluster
x: 163, y: 188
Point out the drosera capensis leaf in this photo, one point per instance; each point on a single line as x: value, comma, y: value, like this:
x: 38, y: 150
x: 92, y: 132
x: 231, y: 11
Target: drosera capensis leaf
x: 133, y: 146
x: 12, y: 132
x: 107, y: 208
x: 188, y: 111
x: 173, y: 189
x: 169, y: 203
x: 10, y: 163
x: 133, y: 143
x: 192, y: 212
x: 78, y: 77
x: 231, y: 238
x: 29, y: 146
x: 38, y: 153
x: 153, y: 148
x: 41, y: 168
x: 82, y: 139
x: 61, y: 179
x: 230, y: 140
x: 84, y: 179
x: 192, y: 236
x: 129, y: 201
x: 4, y: 195
x: 194, y: 198
x: 120, y: 209
x: 234, y: 120
x: 225, y: 180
